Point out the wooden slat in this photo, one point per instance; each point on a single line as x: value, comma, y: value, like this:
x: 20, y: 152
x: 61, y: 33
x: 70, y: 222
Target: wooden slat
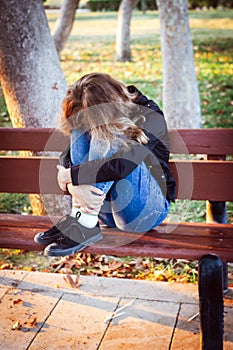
x: 39, y: 139
x: 161, y: 245
x: 186, y: 240
x: 21, y: 229
x: 193, y: 141
x: 202, y: 180
x: 199, y: 180
x: 201, y: 141
x: 29, y: 175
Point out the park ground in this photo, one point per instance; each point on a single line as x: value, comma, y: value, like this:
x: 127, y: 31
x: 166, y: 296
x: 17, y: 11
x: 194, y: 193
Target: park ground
x: 47, y: 311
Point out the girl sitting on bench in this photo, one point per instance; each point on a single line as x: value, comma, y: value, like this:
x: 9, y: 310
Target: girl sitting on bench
x: 116, y: 167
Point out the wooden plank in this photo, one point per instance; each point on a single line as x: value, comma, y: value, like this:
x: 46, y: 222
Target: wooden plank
x: 184, y: 240
x: 147, y: 324
x: 196, y: 229
x: 193, y: 141
x: 35, y: 305
x: 161, y: 247
x: 29, y: 175
x: 17, y: 220
x: 87, y: 310
x: 200, y: 180
x: 22, y: 229
x: 201, y: 141
x: 32, y: 139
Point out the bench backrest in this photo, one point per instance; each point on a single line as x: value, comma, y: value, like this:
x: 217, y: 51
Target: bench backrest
x: 199, y: 161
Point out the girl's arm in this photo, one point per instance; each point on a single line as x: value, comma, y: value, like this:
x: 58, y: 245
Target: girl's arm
x: 115, y: 168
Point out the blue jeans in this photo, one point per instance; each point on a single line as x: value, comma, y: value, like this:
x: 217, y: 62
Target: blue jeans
x: 133, y: 204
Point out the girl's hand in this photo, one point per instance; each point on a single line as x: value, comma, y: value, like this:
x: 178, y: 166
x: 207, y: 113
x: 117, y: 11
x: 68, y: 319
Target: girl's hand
x: 87, y: 196
x: 63, y: 177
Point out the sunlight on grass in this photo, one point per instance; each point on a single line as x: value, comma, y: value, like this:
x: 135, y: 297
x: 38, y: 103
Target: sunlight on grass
x: 213, y: 23
x: 94, y: 24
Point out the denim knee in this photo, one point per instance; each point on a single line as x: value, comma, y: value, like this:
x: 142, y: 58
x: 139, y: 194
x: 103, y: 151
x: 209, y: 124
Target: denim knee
x: 144, y: 223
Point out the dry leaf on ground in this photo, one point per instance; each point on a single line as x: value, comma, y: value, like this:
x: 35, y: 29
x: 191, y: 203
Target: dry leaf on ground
x: 16, y: 326
x: 73, y: 283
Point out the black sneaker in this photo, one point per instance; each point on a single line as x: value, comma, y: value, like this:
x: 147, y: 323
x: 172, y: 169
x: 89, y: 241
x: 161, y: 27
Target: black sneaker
x: 54, y: 232
x: 75, y: 239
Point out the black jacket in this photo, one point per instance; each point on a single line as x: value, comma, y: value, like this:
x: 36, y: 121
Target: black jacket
x: 155, y: 153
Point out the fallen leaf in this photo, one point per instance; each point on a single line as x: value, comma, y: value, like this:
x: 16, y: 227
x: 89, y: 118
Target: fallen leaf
x: 5, y: 266
x: 17, y: 301
x: 72, y: 283
x: 114, y: 265
x: 16, y: 325
x: 33, y: 321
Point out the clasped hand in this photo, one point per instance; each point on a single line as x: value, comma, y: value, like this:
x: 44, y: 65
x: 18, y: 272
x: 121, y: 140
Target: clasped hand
x: 85, y: 196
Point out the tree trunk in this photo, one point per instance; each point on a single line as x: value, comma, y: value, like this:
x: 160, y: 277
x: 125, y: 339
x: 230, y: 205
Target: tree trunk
x: 123, y: 30
x: 181, y: 101
x: 30, y: 72
x: 143, y: 6
x: 64, y: 23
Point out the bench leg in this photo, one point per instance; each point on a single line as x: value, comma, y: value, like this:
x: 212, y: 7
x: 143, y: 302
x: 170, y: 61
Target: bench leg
x: 211, y: 302
x: 217, y: 212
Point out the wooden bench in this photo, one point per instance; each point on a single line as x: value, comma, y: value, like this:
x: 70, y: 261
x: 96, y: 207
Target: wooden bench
x: 205, y: 176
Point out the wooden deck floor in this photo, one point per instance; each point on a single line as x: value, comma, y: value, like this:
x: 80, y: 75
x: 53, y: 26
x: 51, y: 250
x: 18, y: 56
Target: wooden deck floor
x: 42, y: 311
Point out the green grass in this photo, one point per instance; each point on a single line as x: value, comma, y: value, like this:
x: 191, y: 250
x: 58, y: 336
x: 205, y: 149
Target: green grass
x: 15, y: 203
x: 91, y: 47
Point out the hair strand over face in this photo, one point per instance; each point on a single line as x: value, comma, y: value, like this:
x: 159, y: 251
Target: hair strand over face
x: 103, y: 106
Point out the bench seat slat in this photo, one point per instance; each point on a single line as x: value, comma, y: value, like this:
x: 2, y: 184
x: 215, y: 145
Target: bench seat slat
x: 209, y: 141
x: 213, y: 179
x: 156, y: 243
x: 184, y: 228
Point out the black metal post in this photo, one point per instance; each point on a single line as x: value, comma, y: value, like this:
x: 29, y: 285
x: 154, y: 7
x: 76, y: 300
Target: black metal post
x: 216, y: 211
x: 211, y: 302
x: 219, y: 212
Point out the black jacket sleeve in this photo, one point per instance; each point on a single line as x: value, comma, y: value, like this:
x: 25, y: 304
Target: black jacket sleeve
x: 109, y: 169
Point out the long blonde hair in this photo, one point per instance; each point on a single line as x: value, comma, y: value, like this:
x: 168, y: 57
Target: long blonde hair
x: 101, y: 105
